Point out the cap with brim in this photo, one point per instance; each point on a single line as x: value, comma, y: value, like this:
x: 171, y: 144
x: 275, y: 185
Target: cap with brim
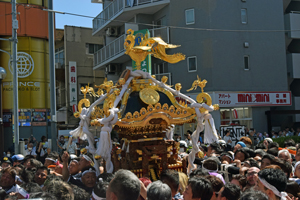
x: 241, y: 143
x: 18, y: 157
x: 6, y: 160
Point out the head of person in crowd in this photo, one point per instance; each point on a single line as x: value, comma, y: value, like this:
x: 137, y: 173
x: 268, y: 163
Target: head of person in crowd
x: 250, y: 151
x: 8, y: 153
x: 74, y: 166
x: 106, y: 177
x: 199, y: 172
x: 273, y: 151
x: 183, y: 181
x: 171, y: 178
x: 124, y: 186
x: 285, y: 166
x: 81, y: 194
x: 241, y: 154
x: 246, y: 140
x: 27, y: 175
x: 259, y: 153
x: 289, y: 143
x: 41, y: 175
x: 213, y: 148
x: 254, y: 195
x: 51, y: 159
x: 267, y: 141
x: 145, y: 181
x: 43, y: 196
x: 297, y: 156
x: 159, y: 191
x: 34, y: 164
x: 85, y: 161
x: 250, y: 162
x: 43, y: 139
x: 266, y: 160
x: 99, y: 191
x: 198, y: 188
x: 285, y: 155
x: 17, y: 159
x: 6, y: 162
x: 89, y: 177
x: 273, y: 183
x: 26, y: 161
x: 226, y: 158
x: 273, y: 144
x: 8, y: 178
x: 216, y: 184
x: 239, y: 145
x: 292, y: 189
x: 58, y: 168
x: 252, y: 176
x: 31, y: 187
x: 297, y: 169
x: 260, y: 146
x: 239, y: 180
x: 229, y: 192
x: 60, y: 189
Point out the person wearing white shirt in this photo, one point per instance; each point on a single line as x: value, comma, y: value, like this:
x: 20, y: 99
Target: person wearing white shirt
x: 72, y: 147
x: 30, y: 150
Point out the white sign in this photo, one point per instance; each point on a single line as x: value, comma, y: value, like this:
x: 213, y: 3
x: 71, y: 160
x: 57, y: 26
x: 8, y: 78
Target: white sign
x: 241, y: 99
x: 73, y: 82
x: 25, y: 65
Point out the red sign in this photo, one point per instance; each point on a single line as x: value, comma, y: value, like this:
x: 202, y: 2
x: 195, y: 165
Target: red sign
x: 75, y: 108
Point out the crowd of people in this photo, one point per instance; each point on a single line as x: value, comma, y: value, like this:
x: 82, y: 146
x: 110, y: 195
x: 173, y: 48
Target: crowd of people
x: 224, y: 171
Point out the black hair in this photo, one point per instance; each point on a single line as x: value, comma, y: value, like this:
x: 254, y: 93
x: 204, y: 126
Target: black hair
x: 79, y: 193
x: 44, y: 169
x: 204, y: 147
x: 216, y: 183
x: 250, y: 152
x: 106, y: 177
x: 268, y: 156
x: 241, y: 179
x: 199, y: 172
x: 201, y: 188
x: 273, y: 151
x: 35, y: 163
x: 261, y: 152
x: 2, y: 194
x: 254, y: 195
x: 31, y: 187
x: 43, y: 195
x: 285, y: 166
x: 275, y: 177
x: 88, y: 168
x: 242, y: 150
x: 260, y: 146
x: 289, y: 142
x: 292, y: 188
x: 273, y: 144
x: 216, y: 147
x: 253, y: 163
x: 27, y: 175
x: 100, y: 189
x: 231, y: 191
x: 171, y: 178
x: 60, y: 189
x: 11, y: 197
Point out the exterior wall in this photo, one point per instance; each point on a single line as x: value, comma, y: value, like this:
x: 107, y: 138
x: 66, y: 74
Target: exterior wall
x: 75, y: 40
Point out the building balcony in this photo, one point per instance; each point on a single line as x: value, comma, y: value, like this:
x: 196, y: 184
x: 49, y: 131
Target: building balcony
x: 114, y: 51
x: 293, y: 62
x: 292, y: 23
x: 120, y: 11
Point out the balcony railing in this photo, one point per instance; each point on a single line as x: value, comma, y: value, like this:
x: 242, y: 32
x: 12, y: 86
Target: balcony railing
x: 113, y: 9
x: 117, y: 46
x: 159, y: 76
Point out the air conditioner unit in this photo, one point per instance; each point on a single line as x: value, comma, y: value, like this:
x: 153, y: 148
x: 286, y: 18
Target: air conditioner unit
x: 57, y: 65
x: 112, y: 32
x: 111, y: 68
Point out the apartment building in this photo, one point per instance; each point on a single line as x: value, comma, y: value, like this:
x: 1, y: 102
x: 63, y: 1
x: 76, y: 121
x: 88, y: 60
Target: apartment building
x: 239, y: 47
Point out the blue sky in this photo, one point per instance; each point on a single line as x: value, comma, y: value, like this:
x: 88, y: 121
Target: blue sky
x: 82, y: 7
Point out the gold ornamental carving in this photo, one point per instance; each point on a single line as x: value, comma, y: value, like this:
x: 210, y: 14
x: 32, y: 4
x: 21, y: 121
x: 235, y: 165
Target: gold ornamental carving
x: 149, y: 96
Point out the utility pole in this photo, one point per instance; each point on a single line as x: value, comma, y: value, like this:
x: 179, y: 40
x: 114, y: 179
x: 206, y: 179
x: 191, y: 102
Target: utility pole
x: 15, y: 73
x: 52, y: 75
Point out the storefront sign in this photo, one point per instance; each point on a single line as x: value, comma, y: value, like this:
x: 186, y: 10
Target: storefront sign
x: 73, y: 82
x: 240, y: 99
x: 146, y: 64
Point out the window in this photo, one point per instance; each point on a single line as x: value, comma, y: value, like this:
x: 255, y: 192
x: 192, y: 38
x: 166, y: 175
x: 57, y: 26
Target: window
x: 238, y: 116
x: 246, y: 62
x: 92, y: 48
x: 244, y: 17
x: 60, y: 56
x: 192, y: 64
x: 189, y: 16
x: 160, y: 68
x: 161, y: 22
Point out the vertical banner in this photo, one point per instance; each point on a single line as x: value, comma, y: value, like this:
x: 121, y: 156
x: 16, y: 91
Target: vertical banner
x: 73, y: 82
x: 146, y: 64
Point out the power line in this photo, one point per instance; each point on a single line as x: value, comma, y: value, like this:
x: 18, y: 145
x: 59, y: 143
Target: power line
x: 175, y: 27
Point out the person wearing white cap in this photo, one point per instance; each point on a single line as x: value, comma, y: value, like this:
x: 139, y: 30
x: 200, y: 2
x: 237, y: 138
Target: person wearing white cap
x: 267, y: 141
x: 273, y: 183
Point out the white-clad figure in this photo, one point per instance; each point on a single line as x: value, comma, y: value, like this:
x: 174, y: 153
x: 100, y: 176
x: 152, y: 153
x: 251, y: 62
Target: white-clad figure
x: 210, y: 133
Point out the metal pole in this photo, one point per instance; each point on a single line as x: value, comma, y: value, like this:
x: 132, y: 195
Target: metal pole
x: 1, y: 123
x: 15, y: 75
x: 52, y: 75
